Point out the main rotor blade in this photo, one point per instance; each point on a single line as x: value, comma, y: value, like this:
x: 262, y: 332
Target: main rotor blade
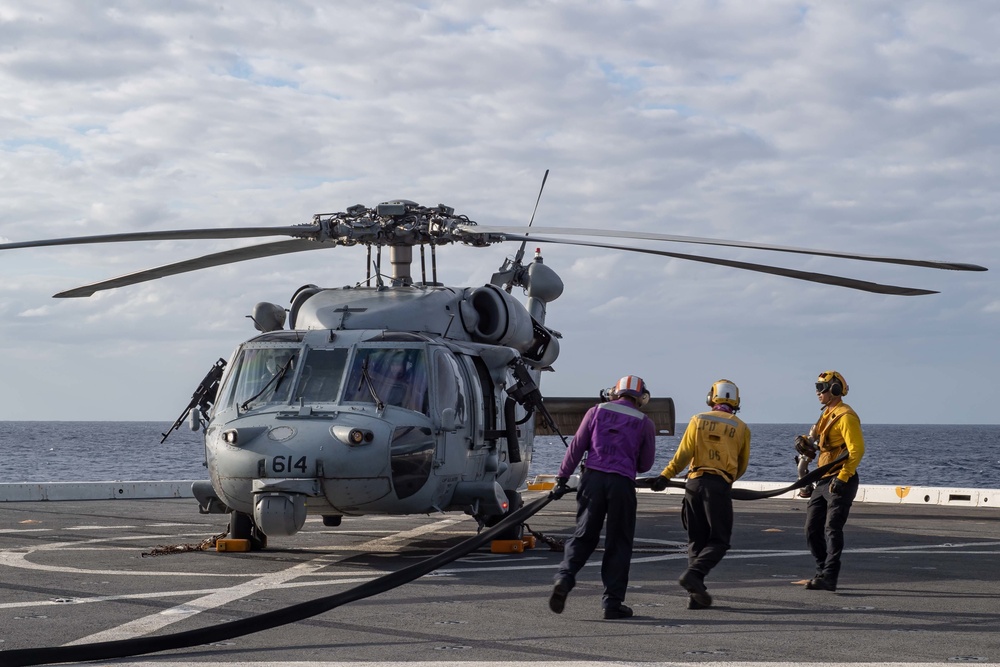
x: 580, y: 231
x: 851, y: 283
x: 204, y: 262
x: 172, y: 234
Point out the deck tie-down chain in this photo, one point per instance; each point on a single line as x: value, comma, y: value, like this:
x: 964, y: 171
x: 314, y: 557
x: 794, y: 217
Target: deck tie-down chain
x: 206, y: 544
x: 554, y: 544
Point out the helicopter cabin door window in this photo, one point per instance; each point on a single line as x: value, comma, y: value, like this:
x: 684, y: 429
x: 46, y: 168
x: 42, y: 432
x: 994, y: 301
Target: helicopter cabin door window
x: 397, y: 376
x: 450, y: 390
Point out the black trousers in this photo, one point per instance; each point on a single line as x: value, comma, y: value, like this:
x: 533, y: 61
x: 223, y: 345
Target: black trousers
x: 707, y: 515
x: 826, y: 515
x: 601, y: 496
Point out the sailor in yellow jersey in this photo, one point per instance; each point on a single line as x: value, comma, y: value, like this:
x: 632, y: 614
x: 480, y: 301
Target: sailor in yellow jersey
x: 717, y: 446
x: 838, y: 430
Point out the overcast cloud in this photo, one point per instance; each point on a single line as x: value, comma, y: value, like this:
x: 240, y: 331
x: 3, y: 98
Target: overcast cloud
x: 868, y: 127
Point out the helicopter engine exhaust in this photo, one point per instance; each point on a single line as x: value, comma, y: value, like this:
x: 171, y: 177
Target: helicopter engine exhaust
x: 490, y: 315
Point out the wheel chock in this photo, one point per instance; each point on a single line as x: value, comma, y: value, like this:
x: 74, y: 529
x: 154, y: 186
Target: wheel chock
x: 542, y: 483
x: 512, y: 546
x: 232, y: 545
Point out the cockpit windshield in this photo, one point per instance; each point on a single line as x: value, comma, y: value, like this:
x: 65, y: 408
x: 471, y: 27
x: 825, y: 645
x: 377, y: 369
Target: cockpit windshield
x: 272, y: 375
x: 393, y: 376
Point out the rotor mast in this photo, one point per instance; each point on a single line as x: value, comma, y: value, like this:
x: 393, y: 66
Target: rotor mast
x: 400, y: 259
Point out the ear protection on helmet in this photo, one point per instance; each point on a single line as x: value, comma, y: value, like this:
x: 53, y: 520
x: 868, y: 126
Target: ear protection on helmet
x: 644, y: 399
x: 834, y: 380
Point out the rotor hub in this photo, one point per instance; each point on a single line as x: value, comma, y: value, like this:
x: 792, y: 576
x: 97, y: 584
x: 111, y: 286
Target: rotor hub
x: 397, y: 223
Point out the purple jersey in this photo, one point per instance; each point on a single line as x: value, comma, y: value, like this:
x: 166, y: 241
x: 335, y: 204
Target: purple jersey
x: 616, y: 437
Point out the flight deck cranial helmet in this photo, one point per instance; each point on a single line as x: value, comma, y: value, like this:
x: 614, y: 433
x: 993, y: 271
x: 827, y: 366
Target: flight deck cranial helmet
x: 634, y: 386
x: 724, y: 392
x: 833, y: 382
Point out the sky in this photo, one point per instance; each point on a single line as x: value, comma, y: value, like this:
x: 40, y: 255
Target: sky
x: 863, y: 127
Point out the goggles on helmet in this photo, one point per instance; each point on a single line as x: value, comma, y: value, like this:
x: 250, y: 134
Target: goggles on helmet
x: 823, y: 387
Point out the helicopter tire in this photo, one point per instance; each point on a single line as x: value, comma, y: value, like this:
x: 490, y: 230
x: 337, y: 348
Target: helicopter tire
x: 242, y: 527
x: 514, y: 503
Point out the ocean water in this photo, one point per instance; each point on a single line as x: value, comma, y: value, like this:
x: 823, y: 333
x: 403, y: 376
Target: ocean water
x: 963, y: 456
x: 942, y: 455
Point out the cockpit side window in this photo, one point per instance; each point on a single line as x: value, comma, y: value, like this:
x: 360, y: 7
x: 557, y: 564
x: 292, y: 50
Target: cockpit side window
x: 261, y: 376
x: 398, y: 376
x: 321, y: 377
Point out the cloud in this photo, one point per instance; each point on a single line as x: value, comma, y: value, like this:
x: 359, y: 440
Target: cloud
x: 866, y: 128
x: 36, y: 312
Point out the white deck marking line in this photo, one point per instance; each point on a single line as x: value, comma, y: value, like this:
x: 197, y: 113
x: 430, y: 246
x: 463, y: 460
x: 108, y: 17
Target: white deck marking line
x: 173, y: 594
x: 154, y: 622
x: 17, y: 558
x: 20, y: 559
x: 387, y: 543
x: 735, y: 554
x: 148, y: 624
x: 16, y: 531
x: 64, y: 602
x: 167, y: 525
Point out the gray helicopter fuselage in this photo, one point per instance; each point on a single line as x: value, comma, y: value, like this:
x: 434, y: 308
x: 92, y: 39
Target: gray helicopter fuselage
x: 312, y: 420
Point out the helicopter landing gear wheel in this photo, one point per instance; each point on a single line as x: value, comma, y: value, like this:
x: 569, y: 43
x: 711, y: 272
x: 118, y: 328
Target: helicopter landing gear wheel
x: 242, y: 527
x: 515, y: 532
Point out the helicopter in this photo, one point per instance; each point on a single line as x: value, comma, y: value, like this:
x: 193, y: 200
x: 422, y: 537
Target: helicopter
x: 397, y: 395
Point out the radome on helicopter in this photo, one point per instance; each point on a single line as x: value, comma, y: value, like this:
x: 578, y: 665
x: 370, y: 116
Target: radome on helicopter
x: 396, y: 395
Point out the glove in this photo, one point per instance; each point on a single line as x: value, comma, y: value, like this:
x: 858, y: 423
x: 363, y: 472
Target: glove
x: 660, y: 483
x: 837, y: 486
x: 805, y: 447
x: 561, y: 488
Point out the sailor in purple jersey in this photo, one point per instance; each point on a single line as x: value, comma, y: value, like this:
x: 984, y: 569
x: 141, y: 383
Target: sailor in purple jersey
x: 619, y: 442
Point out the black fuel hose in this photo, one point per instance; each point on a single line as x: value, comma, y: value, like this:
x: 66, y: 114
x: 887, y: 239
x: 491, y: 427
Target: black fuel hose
x: 749, y: 494
x: 142, y: 645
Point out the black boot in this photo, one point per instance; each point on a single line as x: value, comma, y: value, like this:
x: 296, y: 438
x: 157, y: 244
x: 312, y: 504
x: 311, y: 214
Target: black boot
x: 821, y: 584
x: 559, y: 592
x: 694, y: 604
x: 621, y: 611
x: 694, y: 583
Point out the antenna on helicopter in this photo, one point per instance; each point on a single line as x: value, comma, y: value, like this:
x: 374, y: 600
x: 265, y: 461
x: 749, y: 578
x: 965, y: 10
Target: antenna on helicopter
x: 515, y: 265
